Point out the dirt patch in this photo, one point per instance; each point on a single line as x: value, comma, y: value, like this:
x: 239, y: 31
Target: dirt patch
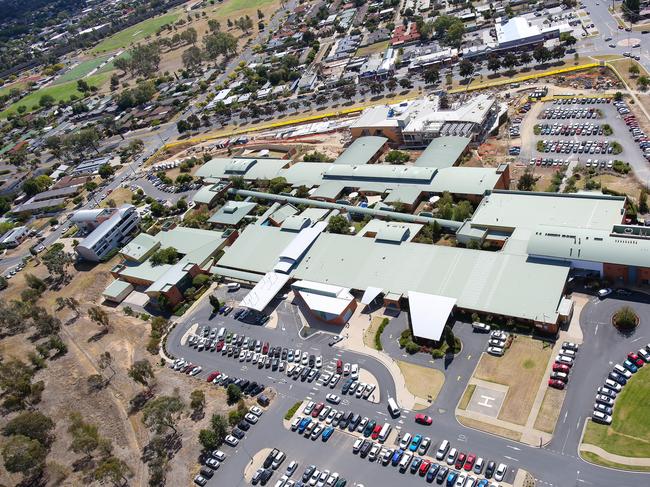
x: 422, y: 382
x: 118, y: 196
x: 489, y: 428
x: 550, y: 410
x: 521, y: 369
x: 628, y: 184
x: 467, y: 396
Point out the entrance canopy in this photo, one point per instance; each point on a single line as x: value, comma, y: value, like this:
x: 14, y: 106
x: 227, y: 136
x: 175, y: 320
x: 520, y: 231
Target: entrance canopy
x: 429, y: 314
x: 264, y: 291
x: 370, y: 294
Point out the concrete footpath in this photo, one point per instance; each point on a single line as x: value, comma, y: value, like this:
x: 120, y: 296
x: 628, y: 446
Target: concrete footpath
x: 633, y: 462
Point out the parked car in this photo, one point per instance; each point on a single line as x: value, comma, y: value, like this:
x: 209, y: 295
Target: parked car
x: 423, y: 419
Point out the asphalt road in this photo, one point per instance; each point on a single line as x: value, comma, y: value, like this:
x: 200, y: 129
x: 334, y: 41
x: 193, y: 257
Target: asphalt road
x: 557, y: 464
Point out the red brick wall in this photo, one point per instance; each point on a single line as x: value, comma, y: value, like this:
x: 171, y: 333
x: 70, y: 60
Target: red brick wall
x: 643, y: 274
x: 616, y: 272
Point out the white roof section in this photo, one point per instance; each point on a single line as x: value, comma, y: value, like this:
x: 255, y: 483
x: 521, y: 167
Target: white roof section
x: 370, y: 294
x: 298, y: 246
x: 324, y: 298
x: 515, y: 29
x: 264, y: 291
x: 429, y: 314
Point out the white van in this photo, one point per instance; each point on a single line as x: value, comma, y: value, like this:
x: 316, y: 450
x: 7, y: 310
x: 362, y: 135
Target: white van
x: 385, y: 431
x: 393, y: 408
x: 404, y: 462
x: 233, y: 286
x: 442, y: 450
x: 222, y: 332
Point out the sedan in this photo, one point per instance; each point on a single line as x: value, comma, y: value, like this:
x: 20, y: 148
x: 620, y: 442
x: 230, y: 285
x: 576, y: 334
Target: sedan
x: 603, y: 409
x: 333, y: 398
x: 423, y: 419
x: 606, y: 400
x: 231, y: 440
x: 415, y: 442
x: 460, y: 461
x: 556, y: 384
x: 561, y: 368
x: 618, y: 378
x: 424, y: 446
x: 251, y: 418
x: 405, y: 441
x: 500, y: 472
x: 600, y: 417
x: 469, y: 463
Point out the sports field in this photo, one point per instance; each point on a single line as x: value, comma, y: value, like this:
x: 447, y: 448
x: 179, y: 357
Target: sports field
x: 4, y: 90
x: 59, y: 92
x: 135, y: 33
x: 81, y: 69
x: 233, y: 6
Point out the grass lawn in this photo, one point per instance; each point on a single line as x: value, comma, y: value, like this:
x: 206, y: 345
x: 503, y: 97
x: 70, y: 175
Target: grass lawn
x: 81, y: 70
x: 421, y: 381
x: 467, y: 396
x: 521, y: 369
x: 550, y: 410
x: 119, y: 196
x: 593, y: 458
x: 622, y: 184
x: 135, y: 33
x: 623, y: 67
x: 372, y: 49
x: 21, y: 85
x: 489, y: 428
x: 234, y: 6
x: 59, y: 92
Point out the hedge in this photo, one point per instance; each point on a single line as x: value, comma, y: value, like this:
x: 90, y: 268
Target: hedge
x: 292, y: 410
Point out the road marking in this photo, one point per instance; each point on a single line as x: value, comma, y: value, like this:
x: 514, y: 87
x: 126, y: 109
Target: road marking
x: 510, y: 458
x: 469, y: 356
x: 596, y: 329
x: 458, y: 380
x: 637, y: 339
x: 462, y: 438
x: 578, y: 424
x: 513, y: 447
x: 566, y: 413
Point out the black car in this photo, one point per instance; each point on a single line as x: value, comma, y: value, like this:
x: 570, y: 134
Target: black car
x: 206, y: 472
x: 275, y: 364
x: 312, y: 360
x: 266, y: 475
x: 304, y: 374
x: 415, y: 464
x: 237, y: 433
x: 489, y: 470
x: 365, y: 448
x: 354, y: 422
x: 244, y: 384
x: 244, y: 425
x: 442, y: 474
x: 308, y: 472
x: 277, y: 352
x: 250, y: 387
x: 269, y: 458
x: 345, y: 420
x: 283, y: 355
x: 346, y: 386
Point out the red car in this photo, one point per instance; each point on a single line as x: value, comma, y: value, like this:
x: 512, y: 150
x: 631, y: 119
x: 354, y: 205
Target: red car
x: 424, y: 467
x: 317, y: 409
x: 220, y: 345
x: 339, y: 367
x: 561, y: 368
x: 375, y: 432
x: 423, y: 419
x: 212, y: 376
x: 634, y: 358
x: 265, y: 348
x: 557, y: 384
x: 469, y: 463
x: 460, y: 461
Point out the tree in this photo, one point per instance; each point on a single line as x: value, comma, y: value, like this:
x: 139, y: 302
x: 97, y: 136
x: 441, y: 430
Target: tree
x: 99, y: 316
x: 558, y: 52
x: 23, y: 455
x: 112, y: 470
x: 493, y: 64
x: 197, y: 401
x: 141, y: 372
x: 643, y: 82
x: 45, y: 323
x: 450, y: 339
x: 338, y: 224
x: 86, y: 438
x: 277, y: 185
x: 57, y: 261
x: 105, y: 171
x: 643, y: 201
x: 260, y: 14
x: 161, y: 413
x: 189, y: 36
x: 123, y: 64
x: 245, y: 24
x: 431, y: 76
x: 526, y: 181
x: 541, y: 54
x: 37, y: 185
x: 567, y: 39
x: 106, y: 362
x: 32, y: 424
x: 192, y: 58
x: 214, y: 25
x: 144, y: 59
x: 234, y: 394
x: 391, y: 84
x: 525, y: 58
x: 220, y: 44
x: 634, y: 69
x: 405, y: 83
x: 214, y: 302
x: 35, y: 283
x: 209, y: 439
x: 509, y: 60
x: 219, y: 427
x: 631, y: 9
x: 167, y: 255
x: 397, y: 157
x: 16, y: 383
x: 46, y: 101
x: 466, y: 68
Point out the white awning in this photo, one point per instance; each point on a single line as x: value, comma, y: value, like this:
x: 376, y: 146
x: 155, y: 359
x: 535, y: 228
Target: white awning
x: 370, y: 294
x: 429, y: 314
x: 264, y: 291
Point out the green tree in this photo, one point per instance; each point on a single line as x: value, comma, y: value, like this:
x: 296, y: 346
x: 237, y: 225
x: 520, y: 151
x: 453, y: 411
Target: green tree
x: 57, y: 261
x: 219, y: 44
x: 234, y: 394
x: 197, y: 401
x: 277, y: 185
x: 161, y: 413
x: 105, y: 171
x: 86, y: 439
x: 219, y: 427
x: 23, y: 455
x: 142, y: 372
x: 431, y: 76
x: 493, y: 64
x: 32, y: 424
x: 46, y: 101
x: 397, y: 157
x: 527, y: 181
x: 338, y: 224
x: 100, y: 316
x: 192, y: 58
x: 112, y: 470
x: 167, y: 255
x: 466, y: 68
x: 643, y: 201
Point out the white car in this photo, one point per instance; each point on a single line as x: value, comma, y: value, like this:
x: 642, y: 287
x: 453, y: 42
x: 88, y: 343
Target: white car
x: 251, y: 418
x: 623, y: 371
x: 333, y: 398
x: 499, y: 334
x: 196, y: 370
x: 405, y: 441
x: 319, y: 362
x: 231, y: 440
x: 563, y: 359
x: 604, y: 292
x: 601, y: 417
x: 615, y: 386
x: 305, y: 358
x: 296, y: 421
x: 256, y: 411
x: 309, y: 407
x: 357, y: 445
x: 354, y: 371
x: 497, y: 351
x: 500, y: 472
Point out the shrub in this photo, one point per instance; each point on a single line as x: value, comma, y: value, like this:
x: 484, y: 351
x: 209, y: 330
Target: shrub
x: 625, y: 318
x: 380, y: 330
x: 200, y: 280
x: 292, y: 410
x: 412, y: 347
x: 437, y: 353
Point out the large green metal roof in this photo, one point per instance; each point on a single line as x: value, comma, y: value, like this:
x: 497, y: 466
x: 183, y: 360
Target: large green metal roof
x: 361, y: 150
x: 443, y: 152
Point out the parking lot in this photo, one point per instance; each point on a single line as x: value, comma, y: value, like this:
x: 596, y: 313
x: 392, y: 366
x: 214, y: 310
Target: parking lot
x: 576, y: 130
